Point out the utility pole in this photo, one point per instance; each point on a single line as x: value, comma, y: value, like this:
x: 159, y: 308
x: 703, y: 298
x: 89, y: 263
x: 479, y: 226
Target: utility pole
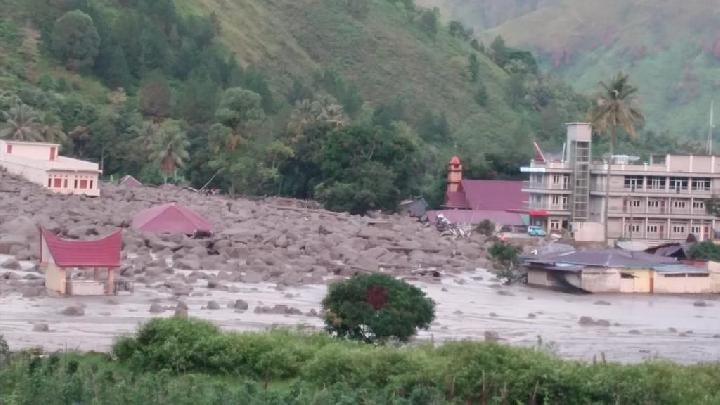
x: 709, y: 145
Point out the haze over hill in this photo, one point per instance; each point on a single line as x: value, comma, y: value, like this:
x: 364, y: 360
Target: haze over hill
x: 670, y: 48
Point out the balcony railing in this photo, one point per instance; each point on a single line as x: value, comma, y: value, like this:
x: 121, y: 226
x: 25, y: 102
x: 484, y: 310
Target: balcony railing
x: 686, y: 191
x: 534, y: 185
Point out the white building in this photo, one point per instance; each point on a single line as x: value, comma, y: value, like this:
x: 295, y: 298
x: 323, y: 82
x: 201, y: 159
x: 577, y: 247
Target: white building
x: 40, y: 163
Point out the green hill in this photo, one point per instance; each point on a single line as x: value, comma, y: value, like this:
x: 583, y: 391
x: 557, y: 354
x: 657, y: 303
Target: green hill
x: 121, y: 78
x: 671, y: 49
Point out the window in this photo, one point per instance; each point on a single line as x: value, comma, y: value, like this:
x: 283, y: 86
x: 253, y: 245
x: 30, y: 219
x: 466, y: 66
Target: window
x: 678, y: 228
x: 634, y: 203
x: 57, y: 182
x: 53, y: 151
x: 652, y: 228
x: 679, y: 204
x: 656, y: 183
x: 634, y: 228
x: 556, y: 178
x: 695, y: 230
x: 49, y: 182
x: 8, y: 148
x: 678, y: 183
x: 653, y: 203
x: 91, y: 184
x: 76, y: 184
x: 634, y: 182
x: 626, y: 275
x: 554, y: 225
x: 701, y: 184
x: 700, y: 205
x: 559, y: 201
x: 83, y: 184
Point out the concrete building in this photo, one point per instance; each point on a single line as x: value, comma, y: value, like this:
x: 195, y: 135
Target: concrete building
x: 618, y: 271
x: 658, y: 201
x: 40, y: 163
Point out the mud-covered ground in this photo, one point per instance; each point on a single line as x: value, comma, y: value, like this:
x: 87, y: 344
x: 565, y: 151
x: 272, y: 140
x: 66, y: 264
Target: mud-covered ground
x: 270, y: 260
x: 469, y: 306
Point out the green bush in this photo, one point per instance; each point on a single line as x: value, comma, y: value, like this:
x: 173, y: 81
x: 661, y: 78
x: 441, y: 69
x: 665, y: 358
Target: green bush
x: 375, y: 308
x: 207, y: 366
x: 706, y: 250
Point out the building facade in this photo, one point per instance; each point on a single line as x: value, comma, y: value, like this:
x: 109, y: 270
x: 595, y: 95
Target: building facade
x: 657, y: 201
x: 40, y: 163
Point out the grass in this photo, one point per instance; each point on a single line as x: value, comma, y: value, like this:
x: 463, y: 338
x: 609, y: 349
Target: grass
x: 189, y: 361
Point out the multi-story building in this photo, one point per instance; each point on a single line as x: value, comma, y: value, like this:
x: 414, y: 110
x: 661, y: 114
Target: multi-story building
x: 40, y: 163
x: 660, y: 200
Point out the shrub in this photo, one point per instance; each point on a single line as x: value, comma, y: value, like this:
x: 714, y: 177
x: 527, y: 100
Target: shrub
x: 706, y: 250
x: 376, y: 307
x: 485, y: 227
x: 505, y: 257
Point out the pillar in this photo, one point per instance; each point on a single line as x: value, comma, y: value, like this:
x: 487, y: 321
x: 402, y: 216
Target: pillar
x: 109, y: 284
x: 454, y: 175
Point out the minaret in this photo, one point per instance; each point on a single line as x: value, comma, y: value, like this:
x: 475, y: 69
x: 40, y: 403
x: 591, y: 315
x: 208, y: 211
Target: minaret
x: 454, y: 175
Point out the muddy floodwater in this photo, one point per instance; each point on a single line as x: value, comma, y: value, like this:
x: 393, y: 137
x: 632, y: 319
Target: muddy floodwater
x: 626, y: 328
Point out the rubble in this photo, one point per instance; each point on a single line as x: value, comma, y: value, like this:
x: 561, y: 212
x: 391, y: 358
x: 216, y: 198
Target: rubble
x: 73, y: 310
x: 275, y: 240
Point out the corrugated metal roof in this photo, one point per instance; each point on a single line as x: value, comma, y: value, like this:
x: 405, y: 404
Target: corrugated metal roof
x: 604, y: 258
x: 493, y: 194
x: 678, y: 268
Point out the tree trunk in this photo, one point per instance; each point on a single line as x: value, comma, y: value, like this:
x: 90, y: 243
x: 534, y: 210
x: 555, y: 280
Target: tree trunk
x: 613, y: 135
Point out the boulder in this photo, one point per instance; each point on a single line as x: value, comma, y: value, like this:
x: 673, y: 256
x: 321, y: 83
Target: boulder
x: 73, y: 310
x: 181, y: 310
x: 279, y: 309
x: 239, y: 305
x: 156, y: 308
x: 213, y: 305
x: 41, y: 327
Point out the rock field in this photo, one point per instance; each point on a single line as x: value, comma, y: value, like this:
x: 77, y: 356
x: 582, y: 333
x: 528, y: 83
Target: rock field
x: 283, y: 241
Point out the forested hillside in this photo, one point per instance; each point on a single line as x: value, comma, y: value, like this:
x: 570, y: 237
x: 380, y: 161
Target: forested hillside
x: 671, y: 49
x: 357, y: 103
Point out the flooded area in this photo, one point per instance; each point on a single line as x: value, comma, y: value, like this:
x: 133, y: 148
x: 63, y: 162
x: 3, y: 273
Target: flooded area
x: 625, y: 328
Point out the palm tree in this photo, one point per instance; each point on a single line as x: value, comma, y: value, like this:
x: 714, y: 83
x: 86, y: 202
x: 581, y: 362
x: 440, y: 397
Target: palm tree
x: 21, y: 124
x: 615, y: 108
x: 52, y: 130
x: 169, y: 149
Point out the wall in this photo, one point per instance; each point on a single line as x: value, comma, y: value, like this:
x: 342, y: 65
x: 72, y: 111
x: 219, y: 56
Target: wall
x: 588, y: 231
x: 37, y: 172
x: 35, y: 151
x: 87, y: 287
x: 540, y: 278
x: 55, y: 278
x: 72, y: 177
x: 600, y: 280
x: 640, y: 283
x: 683, y: 285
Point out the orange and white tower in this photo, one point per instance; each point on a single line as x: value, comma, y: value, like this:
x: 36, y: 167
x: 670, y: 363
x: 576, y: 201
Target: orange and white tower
x: 454, y: 175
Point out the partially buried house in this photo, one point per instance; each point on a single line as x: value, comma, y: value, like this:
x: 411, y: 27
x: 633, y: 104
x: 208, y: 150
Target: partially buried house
x: 80, y: 267
x: 40, y: 163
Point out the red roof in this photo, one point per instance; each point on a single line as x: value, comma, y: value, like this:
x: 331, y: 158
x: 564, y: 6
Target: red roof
x: 170, y: 218
x: 130, y: 181
x: 493, y: 194
x: 454, y: 160
x: 103, y: 252
x: 473, y: 217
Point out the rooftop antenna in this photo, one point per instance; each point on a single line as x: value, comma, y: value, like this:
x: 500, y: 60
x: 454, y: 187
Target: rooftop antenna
x: 709, y: 145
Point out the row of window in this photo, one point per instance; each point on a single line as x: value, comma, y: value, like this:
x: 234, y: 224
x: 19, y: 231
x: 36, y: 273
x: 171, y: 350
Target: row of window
x: 675, y: 228
x: 675, y: 183
x: 680, y: 204
x: 80, y: 184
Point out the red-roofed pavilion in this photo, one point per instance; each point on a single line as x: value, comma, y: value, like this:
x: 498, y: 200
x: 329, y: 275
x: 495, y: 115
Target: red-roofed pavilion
x: 60, y: 257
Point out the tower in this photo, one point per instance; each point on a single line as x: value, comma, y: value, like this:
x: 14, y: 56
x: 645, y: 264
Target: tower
x: 454, y: 175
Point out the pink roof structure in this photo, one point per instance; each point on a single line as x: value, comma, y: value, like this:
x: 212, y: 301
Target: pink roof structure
x: 130, y: 181
x: 170, y: 218
x: 487, y: 195
x: 103, y: 252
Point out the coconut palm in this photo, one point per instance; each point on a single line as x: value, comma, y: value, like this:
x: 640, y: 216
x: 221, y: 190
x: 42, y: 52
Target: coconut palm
x: 21, y: 124
x: 170, y: 147
x: 615, y: 108
x: 52, y: 130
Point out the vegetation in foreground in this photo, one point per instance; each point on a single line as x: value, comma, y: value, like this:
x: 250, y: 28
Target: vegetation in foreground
x: 186, y: 361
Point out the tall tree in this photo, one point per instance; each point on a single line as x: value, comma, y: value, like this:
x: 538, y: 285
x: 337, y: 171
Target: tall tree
x: 75, y: 40
x: 22, y: 123
x: 155, y: 96
x: 473, y: 67
x: 170, y: 148
x: 615, y: 108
